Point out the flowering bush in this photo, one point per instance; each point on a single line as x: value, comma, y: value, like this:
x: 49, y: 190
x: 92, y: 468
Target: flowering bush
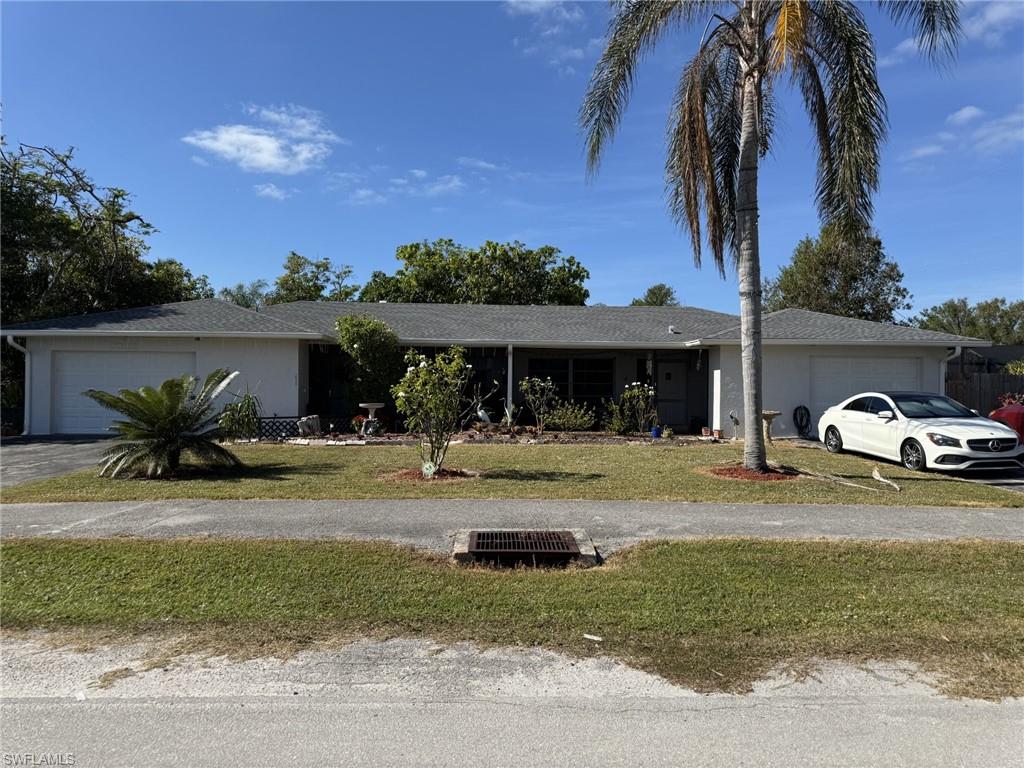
x: 1011, y: 398
x: 541, y: 395
x: 430, y: 396
x: 376, y: 357
x: 634, y: 412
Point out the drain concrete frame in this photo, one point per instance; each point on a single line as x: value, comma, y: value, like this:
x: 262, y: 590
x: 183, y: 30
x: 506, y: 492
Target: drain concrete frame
x: 588, y: 556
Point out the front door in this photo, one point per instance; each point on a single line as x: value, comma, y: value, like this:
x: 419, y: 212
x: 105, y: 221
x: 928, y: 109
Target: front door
x: 671, y: 391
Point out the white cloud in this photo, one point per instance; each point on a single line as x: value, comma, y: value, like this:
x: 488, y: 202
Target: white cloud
x: 272, y: 191
x: 200, y: 160
x: 919, y: 153
x: 366, y: 196
x: 296, y: 122
x: 989, y: 23
x: 444, y: 185
x: 343, y: 179
x: 1001, y: 134
x: 398, y: 182
x: 478, y: 165
x: 905, y: 50
x: 289, y: 140
x: 419, y: 173
x: 964, y: 115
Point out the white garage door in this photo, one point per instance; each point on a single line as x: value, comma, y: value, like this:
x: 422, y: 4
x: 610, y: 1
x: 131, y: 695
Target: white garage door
x: 837, y: 378
x: 75, y: 372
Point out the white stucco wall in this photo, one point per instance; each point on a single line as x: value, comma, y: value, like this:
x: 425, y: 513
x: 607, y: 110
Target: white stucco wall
x: 273, y: 369
x: 787, y: 378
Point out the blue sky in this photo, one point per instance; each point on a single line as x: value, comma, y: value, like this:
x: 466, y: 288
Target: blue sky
x: 246, y: 130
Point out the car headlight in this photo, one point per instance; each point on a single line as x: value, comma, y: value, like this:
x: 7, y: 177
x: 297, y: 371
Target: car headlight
x: 944, y: 440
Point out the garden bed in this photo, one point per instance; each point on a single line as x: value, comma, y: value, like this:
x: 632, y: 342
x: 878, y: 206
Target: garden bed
x: 478, y: 437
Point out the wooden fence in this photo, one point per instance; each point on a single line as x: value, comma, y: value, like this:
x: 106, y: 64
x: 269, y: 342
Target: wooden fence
x: 981, y: 391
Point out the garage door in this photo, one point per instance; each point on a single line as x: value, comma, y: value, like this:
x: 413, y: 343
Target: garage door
x: 75, y: 372
x: 837, y: 378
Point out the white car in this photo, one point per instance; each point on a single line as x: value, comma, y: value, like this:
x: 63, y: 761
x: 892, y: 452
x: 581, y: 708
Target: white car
x: 920, y: 430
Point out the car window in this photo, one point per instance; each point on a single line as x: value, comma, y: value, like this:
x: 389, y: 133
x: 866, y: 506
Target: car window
x: 931, y: 407
x: 860, y: 404
x: 877, y: 405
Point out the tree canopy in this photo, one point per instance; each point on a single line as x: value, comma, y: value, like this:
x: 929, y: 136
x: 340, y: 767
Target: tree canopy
x: 658, y: 295
x: 840, y: 274
x: 997, y: 320
x: 252, y: 295
x: 306, y: 279
x: 73, y: 247
x: 445, y: 272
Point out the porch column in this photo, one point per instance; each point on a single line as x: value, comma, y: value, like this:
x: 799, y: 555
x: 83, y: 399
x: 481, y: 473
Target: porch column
x: 508, y: 377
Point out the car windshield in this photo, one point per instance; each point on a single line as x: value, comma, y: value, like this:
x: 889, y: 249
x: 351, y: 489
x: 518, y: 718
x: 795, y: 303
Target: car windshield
x: 931, y: 407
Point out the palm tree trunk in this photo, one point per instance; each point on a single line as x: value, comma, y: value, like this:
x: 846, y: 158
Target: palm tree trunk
x: 749, y: 271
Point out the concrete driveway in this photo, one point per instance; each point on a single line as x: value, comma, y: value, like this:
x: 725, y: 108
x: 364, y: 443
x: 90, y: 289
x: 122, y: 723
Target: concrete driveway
x: 32, y: 458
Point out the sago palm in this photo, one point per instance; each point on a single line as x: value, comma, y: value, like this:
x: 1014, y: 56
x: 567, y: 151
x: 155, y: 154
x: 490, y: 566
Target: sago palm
x: 164, y: 422
x: 722, y: 123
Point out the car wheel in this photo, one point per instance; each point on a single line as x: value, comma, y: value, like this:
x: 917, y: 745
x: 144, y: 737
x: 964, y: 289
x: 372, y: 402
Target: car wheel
x: 912, y: 455
x: 833, y: 440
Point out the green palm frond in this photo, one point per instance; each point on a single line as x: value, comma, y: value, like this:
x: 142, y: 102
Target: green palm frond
x: 857, y: 113
x: 634, y: 30
x: 163, y: 423
x: 935, y: 22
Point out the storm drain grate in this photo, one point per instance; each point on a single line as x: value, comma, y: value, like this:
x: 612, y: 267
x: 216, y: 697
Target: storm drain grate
x: 497, y: 543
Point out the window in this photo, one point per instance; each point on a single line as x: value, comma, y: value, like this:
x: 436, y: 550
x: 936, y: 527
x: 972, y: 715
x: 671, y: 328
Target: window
x: 557, y: 369
x: 860, y: 404
x: 592, y: 380
x: 931, y: 407
x: 877, y: 405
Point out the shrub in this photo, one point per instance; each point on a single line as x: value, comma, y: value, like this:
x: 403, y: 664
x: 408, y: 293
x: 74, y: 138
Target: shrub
x: 375, y: 353
x: 634, y: 412
x: 540, y: 395
x: 571, y: 417
x: 240, y: 420
x: 430, y: 396
x: 1015, y: 367
x: 1011, y: 398
x: 163, y: 423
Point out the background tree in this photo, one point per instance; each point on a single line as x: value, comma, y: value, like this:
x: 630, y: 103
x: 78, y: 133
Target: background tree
x: 841, y: 275
x: 658, y: 295
x: 375, y: 353
x: 997, y: 320
x: 723, y: 118
x: 72, y: 247
x: 306, y: 279
x: 444, y: 272
x: 252, y: 295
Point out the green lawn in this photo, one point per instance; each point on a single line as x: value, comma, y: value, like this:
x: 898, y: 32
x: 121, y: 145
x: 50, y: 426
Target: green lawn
x: 641, y: 472
x: 713, y: 614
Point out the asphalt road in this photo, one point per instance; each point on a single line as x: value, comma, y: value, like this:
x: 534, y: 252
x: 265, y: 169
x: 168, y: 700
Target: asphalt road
x: 429, y: 523
x: 408, y: 703
x: 32, y: 458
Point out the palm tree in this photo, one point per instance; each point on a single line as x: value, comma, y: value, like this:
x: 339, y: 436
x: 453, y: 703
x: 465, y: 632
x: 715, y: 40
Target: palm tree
x: 722, y: 122
x: 163, y: 423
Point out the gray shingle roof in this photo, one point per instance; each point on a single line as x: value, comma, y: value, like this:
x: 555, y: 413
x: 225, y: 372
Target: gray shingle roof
x: 204, y: 317
x: 816, y: 327
x: 486, y: 324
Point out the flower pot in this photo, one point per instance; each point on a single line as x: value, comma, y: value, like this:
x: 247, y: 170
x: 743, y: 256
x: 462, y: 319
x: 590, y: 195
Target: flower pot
x: 655, y: 431
x: 718, y: 434
x: 705, y: 431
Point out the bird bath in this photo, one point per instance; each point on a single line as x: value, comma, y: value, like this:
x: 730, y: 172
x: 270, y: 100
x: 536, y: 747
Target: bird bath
x: 768, y: 417
x: 372, y: 408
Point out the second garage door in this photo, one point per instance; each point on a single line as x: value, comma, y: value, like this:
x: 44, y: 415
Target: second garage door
x: 75, y: 372
x: 836, y: 378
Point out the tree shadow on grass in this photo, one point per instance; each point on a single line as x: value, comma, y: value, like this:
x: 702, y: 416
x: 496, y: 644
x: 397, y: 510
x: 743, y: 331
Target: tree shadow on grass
x: 274, y: 471
x: 540, y: 475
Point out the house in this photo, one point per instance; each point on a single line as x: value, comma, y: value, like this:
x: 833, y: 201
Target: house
x: 287, y: 354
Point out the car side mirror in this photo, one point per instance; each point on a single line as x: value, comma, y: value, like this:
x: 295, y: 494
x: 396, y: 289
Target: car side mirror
x: 887, y: 415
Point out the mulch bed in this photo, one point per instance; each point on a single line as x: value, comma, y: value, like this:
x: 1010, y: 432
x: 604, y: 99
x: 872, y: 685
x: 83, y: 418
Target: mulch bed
x: 445, y: 475
x: 739, y: 472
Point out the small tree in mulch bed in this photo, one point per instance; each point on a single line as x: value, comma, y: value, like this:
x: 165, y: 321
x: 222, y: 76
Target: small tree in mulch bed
x: 541, y: 396
x: 430, y: 396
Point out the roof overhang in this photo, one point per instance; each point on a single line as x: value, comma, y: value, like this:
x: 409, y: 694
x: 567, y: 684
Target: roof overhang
x: 533, y: 344
x: 839, y: 343
x: 53, y: 332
